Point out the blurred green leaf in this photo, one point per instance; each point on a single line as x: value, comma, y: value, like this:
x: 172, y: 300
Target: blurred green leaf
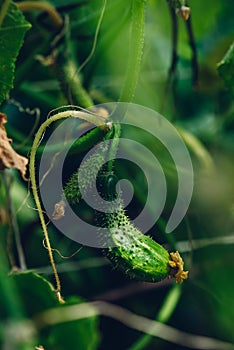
x: 36, y: 292
x: 226, y: 68
x: 204, y: 115
x: 38, y: 295
x: 16, y: 332
x: 80, y: 334
x: 12, y: 31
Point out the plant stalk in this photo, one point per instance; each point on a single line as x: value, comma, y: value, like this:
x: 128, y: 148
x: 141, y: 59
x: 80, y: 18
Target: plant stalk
x: 62, y: 115
x: 163, y: 316
x: 13, y: 224
x: 55, y: 17
x: 3, y: 10
x: 135, y: 50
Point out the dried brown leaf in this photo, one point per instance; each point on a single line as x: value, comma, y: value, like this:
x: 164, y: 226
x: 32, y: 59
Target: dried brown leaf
x: 9, y: 159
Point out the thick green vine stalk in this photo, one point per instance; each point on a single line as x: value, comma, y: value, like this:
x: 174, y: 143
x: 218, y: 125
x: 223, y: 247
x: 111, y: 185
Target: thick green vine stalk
x: 66, y: 72
x: 136, y: 43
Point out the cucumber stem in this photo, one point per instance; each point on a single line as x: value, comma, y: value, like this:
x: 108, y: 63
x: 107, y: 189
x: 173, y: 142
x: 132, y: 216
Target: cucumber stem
x: 70, y: 83
x: 62, y: 115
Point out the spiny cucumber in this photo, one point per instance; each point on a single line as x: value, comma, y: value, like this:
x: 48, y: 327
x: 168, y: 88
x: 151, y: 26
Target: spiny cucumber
x: 87, y: 171
x: 87, y: 141
x: 87, y: 175
x: 138, y: 255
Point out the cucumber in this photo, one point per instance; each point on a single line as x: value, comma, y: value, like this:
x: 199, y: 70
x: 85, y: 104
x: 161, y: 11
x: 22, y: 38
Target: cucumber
x: 87, y: 175
x: 88, y: 169
x: 138, y: 255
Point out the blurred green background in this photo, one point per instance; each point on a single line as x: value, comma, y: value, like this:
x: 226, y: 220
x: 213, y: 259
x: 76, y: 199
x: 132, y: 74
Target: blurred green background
x: 205, y: 238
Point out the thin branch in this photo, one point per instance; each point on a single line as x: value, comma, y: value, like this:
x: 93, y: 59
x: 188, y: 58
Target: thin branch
x: 174, y: 55
x: 192, y: 44
x: 32, y: 112
x: 74, y: 266
x: 55, y: 17
x: 132, y: 320
x: 13, y: 223
x: 130, y: 289
x: 185, y: 246
x: 95, y: 38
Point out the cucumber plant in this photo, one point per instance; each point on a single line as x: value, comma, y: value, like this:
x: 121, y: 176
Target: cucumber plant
x: 159, y: 259
x: 138, y: 255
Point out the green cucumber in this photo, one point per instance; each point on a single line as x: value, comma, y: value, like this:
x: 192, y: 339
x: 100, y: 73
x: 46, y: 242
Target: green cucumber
x: 87, y: 175
x: 88, y: 169
x: 87, y: 141
x: 138, y: 255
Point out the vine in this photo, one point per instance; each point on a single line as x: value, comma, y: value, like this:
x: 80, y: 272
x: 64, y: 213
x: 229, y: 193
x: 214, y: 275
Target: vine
x: 96, y: 120
x: 136, y: 43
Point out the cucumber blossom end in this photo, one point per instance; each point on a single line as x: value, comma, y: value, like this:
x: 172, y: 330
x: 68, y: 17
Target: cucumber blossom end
x: 177, y: 267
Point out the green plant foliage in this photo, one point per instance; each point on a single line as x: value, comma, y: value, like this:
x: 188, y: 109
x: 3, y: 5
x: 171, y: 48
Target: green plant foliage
x: 34, y: 287
x: 133, y: 48
x: 12, y: 31
x: 226, y: 68
x: 81, y: 334
x: 37, y: 295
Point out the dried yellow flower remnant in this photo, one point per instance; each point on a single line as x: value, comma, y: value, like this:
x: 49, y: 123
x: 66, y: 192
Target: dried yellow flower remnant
x: 177, y: 262
x: 184, y: 12
x: 59, y: 210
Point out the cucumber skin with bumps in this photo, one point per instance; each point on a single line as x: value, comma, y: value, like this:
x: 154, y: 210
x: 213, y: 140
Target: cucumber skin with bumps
x: 136, y: 254
x: 145, y: 260
x: 87, y: 171
x: 139, y: 256
x: 89, y: 167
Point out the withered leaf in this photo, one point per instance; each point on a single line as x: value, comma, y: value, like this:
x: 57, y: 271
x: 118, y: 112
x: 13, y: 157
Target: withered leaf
x: 59, y: 210
x: 9, y: 159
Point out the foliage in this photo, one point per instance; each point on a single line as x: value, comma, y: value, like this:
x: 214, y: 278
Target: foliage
x: 226, y: 67
x: 90, y: 52
x: 13, y: 27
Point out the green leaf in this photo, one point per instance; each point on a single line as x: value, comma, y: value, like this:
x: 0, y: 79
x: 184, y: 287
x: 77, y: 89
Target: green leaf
x: 12, y: 30
x: 35, y: 292
x: 226, y: 68
x: 80, y: 334
x: 37, y: 295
